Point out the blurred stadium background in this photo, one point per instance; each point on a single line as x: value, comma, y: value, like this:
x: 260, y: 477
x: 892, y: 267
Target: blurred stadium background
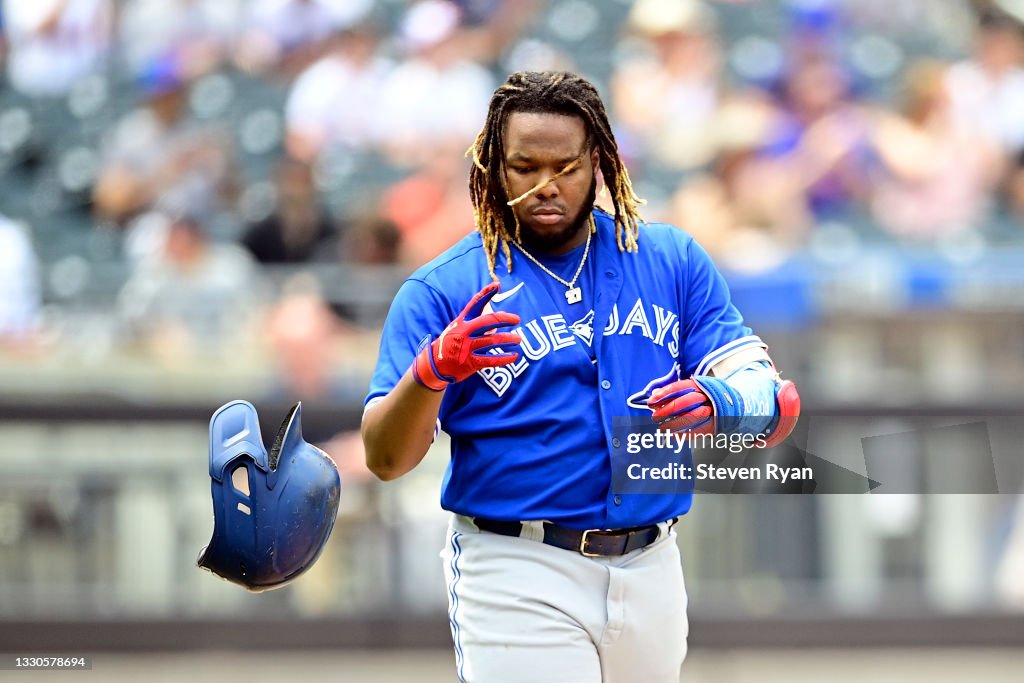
x: 203, y: 200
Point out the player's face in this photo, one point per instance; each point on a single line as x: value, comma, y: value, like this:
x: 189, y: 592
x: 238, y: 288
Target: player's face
x: 537, y: 148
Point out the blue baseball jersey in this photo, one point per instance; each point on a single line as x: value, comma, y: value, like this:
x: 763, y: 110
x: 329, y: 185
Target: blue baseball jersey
x: 534, y: 440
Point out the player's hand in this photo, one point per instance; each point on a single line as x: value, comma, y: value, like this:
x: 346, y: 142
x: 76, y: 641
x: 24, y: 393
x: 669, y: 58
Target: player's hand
x: 682, y: 406
x: 463, y: 347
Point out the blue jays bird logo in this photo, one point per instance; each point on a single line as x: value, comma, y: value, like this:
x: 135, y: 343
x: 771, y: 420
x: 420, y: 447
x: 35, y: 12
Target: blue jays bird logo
x: 584, y: 328
x: 639, y: 399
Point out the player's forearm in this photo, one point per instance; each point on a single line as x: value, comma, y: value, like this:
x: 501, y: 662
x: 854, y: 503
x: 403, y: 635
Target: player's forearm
x: 398, y: 429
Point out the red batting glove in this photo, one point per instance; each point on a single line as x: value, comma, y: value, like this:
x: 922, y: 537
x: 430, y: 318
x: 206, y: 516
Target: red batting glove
x: 682, y: 407
x: 462, y: 348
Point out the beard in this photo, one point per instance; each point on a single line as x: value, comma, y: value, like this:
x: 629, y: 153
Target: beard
x: 554, y: 241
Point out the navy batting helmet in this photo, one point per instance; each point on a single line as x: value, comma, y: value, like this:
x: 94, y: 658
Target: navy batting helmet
x: 272, y: 513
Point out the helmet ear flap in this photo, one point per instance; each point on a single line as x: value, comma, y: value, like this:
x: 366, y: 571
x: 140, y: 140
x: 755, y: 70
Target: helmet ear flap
x: 234, y: 431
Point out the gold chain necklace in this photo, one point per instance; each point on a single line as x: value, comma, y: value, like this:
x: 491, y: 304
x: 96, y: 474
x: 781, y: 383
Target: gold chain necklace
x: 573, y: 294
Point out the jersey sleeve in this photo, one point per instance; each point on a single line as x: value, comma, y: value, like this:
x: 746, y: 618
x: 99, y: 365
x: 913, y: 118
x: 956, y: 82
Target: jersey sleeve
x: 713, y: 328
x: 417, y: 315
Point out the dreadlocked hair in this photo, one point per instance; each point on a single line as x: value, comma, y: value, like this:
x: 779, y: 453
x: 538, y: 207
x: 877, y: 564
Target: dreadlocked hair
x: 545, y: 92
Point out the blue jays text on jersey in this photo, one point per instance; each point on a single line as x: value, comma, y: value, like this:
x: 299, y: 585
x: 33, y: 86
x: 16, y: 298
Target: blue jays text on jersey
x: 547, y: 333
x: 534, y: 440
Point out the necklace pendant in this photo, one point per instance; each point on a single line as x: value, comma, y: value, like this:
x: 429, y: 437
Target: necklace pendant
x: 574, y: 295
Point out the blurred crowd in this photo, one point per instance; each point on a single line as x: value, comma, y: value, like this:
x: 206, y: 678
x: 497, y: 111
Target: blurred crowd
x: 750, y: 125
x: 931, y: 151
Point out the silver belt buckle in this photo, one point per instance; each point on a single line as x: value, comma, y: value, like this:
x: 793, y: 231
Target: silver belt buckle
x: 583, y: 544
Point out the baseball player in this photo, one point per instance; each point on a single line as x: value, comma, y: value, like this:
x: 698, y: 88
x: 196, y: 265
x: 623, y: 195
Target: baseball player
x: 525, y: 341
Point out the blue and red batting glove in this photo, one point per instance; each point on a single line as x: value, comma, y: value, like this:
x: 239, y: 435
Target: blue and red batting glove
x: 463, y: 347
x: 709, y: 405
x: 682, y: 406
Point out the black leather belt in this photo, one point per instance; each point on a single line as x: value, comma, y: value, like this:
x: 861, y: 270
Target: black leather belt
x: 590, y: 542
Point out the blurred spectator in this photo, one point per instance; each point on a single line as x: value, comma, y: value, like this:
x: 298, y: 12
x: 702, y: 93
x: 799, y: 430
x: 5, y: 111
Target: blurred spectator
x: 938, y: 174
x: 702, y: 206
x: 1015, y: 187
x: 490, y: 27
x: 666, y: 92
x: 198, y: 32
x: 987, y: 89
x: 19, y: 284
x: 304, y: 335
x: 337, y: 99
x: 436, y: 96
x: 157, y: 150
x: 751, y: 209
x: 286, y: 35
x: 299, y: 229
x: 373, y: 240
x: 823, y: 136
x: 192, y: 295
x: 54, y: 43
x: 815, y: 29
x: 431, y: 208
